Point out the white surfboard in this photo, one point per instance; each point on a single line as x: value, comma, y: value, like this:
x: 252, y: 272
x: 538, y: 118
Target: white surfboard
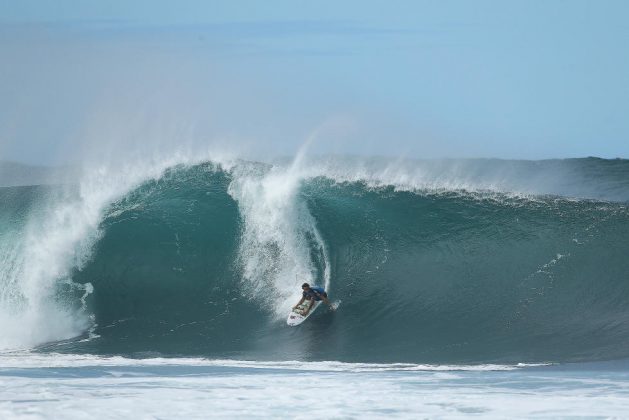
x: 296, y: 316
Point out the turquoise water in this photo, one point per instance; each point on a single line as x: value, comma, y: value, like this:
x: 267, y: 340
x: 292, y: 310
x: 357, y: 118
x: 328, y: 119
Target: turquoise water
x: 190, y: 264
x: 481, y: 287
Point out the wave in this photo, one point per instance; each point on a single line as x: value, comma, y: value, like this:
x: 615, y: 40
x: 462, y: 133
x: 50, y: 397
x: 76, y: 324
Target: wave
x: 433, y: 264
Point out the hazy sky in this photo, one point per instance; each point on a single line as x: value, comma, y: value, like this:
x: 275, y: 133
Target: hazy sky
x: 510, y: 79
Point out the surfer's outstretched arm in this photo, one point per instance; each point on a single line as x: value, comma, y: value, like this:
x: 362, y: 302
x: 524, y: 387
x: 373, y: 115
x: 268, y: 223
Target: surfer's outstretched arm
x: 309, y: 307
x: 300, y: 302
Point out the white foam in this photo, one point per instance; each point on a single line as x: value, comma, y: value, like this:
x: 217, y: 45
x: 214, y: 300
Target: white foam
x: 26, y: 359
x: 94, y: 387
x: 279, y: 235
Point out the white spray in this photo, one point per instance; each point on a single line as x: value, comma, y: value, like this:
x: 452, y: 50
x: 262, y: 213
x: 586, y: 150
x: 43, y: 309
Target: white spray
x: 54, y: 242
x: 278, y: 234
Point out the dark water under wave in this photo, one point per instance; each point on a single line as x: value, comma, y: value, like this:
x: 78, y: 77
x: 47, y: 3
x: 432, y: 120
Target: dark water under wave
x: 429, y: 276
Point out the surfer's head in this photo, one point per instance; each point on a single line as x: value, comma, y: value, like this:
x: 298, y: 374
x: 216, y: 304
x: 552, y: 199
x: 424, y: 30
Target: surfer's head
x: 305, y: 286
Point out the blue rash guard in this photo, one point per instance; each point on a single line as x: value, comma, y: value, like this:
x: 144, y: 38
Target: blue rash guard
x: 315, y: 293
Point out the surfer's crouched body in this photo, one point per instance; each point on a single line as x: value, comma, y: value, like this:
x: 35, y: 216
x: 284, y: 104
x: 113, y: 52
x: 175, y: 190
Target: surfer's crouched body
x: 312, y: 294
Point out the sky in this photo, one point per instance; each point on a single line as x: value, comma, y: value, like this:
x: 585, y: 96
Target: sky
x: 421, y: 79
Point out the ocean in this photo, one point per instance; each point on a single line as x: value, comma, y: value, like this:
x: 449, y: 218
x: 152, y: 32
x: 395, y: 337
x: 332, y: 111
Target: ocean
x: 160, y: 289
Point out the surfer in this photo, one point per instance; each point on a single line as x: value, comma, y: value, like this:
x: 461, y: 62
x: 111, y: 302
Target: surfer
x: 313, y: 294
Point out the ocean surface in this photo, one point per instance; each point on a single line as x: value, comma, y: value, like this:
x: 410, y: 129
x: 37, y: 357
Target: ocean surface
x: 160, y: 289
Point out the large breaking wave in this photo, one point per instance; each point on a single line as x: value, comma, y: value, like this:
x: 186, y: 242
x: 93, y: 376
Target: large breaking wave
x: 450, y: 261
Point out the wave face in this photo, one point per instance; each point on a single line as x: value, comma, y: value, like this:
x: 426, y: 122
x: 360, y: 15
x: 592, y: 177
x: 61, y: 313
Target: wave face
x: 206, y: 260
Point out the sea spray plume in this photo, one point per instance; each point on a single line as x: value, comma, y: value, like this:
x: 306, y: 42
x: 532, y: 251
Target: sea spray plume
x: 589, y: 178
x: 55, y: 240
x: 280, y: 245
x: 33, y: 260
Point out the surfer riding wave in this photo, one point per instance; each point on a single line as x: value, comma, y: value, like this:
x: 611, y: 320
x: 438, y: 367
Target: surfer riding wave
x: 312, y: 294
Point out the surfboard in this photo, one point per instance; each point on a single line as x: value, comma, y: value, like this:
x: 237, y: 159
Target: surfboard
x: 296, y: 316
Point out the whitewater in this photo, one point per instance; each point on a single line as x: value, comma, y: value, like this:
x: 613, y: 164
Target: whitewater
x: 159, y: 288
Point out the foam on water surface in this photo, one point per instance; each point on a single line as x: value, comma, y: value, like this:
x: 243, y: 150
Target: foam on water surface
x: 34, y: 386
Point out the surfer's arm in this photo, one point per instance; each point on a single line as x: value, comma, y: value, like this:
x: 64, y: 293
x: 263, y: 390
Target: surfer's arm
x: 300, y: 302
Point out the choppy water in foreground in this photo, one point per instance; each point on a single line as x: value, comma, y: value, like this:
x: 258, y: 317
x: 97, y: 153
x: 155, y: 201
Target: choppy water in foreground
x: 78, y: 387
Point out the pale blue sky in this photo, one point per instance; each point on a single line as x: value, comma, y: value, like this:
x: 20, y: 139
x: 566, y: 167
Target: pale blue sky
x: 526, y: 79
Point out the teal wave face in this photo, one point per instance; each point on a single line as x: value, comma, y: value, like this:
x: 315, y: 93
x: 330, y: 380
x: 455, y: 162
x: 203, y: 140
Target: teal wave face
x: 429, y: 276
x: 423, y: 277
x: 163, y: 274
x: 454, y: 277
